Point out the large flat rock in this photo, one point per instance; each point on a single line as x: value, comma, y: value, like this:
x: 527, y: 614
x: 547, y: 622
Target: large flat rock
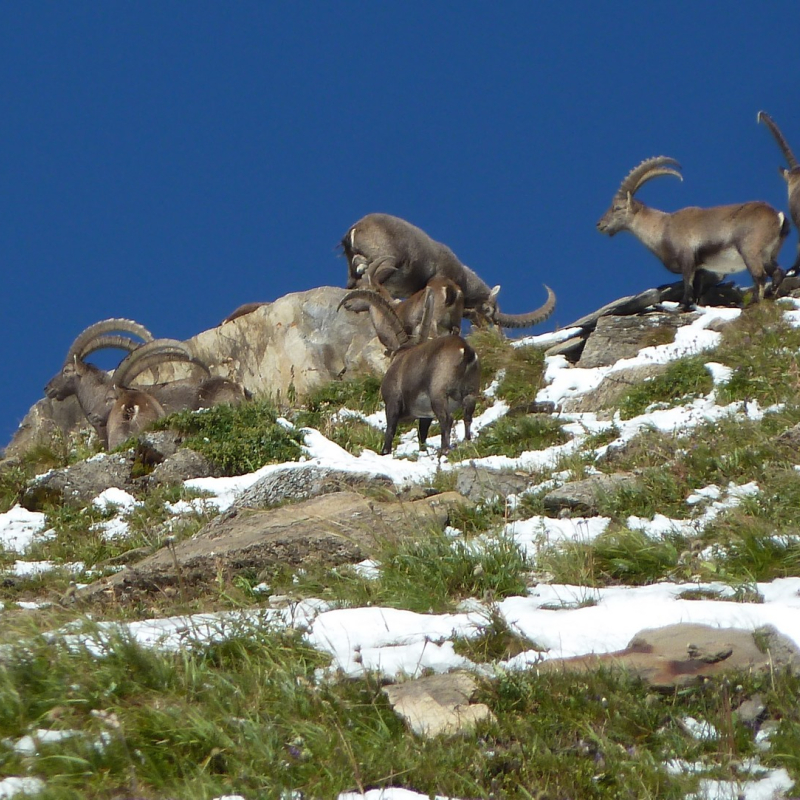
x: 341, y: 527
x: 687, y: 653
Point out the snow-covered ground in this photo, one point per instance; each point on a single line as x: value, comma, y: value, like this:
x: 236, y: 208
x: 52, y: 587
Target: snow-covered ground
x: 558, y: 618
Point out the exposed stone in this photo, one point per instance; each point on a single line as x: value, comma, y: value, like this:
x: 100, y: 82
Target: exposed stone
x: 604, y: 400
x: 582, y: 497
x: 81, y: 482
x: 47, y: 423
x: 181, y: 466
x: 153, y: 447
x: 286, y: 348
x: 683, y: 654
x: 633, y: 304
x: 303, y: 482
x: 616, y: 338
x: 282, y: 350
x: 534, y: 407
x: 750, y: 711
x: 342, y: 527
x: 438, y: 704
x: 570, y: 348
x: 790, y: 437
x: 479, y: 483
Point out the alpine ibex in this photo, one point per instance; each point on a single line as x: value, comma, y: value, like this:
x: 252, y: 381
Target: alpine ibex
x: 130, y: 409
x: 87, y: 382
x: 426, y: 378
x: 791, y: 176
x: 444, y: 318
x: 403, y: 259
x: 722, y: 239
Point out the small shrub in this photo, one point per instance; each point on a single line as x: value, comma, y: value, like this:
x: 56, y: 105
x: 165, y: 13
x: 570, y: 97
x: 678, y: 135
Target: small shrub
x: 495, y: 642
x: 764, y: 351
x: 522, y: 367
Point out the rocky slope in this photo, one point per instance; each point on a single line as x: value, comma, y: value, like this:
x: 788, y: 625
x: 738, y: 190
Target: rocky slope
x: 635, y: 511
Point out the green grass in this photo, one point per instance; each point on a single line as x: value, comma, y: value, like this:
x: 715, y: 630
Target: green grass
x: 237, y: 439
x: 248, y: 715
x: 430, y: 575
x: 764, y: 352
x: 511, y: 436
x: 683, y: 380
x: 321, y: 407
x: 522, y: 367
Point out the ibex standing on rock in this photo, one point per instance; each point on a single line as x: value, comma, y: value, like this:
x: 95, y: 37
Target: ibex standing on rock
x: 403, y: 259
x: 722, y: 239
x: 86, y: 381
x: 427, y: 378
x: 791, y: 176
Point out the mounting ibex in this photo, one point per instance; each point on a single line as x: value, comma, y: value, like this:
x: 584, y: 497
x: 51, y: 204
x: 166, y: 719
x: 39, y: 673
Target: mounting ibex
x: 86, y: 381
x: 791, y: 176
x: 403, y: 259
x: 722, y: 239
x: 427, y: 378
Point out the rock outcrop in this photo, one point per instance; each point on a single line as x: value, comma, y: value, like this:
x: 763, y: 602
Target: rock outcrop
x: 281, y: 350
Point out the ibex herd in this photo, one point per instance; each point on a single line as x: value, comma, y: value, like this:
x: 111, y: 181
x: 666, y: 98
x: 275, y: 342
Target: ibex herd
x: 116, y: 409
x: 417, y: 291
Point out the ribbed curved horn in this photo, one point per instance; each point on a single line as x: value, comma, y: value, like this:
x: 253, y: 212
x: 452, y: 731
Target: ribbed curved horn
x: 150, y: 354
x: 531, y: 319
x: 109, y: 343
x: 649, y: 168
x: 770, y: 123
x: 384, y: 306
x: 105, y: 326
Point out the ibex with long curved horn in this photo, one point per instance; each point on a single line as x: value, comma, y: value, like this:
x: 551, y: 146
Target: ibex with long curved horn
x: 87, y: 382
x: 403, y: 259
x: 443, y: 318
x: 131, y: 409
x: 721, y: 239
x: 791, y: 176
x: 427, y: 378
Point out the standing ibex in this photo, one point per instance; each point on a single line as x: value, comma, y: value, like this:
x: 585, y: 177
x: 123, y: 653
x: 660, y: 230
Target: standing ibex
x: 722, y: 239
x: 791, y: 176
x: 87, y: 382
x: 427, y: 378
x: 403, y: 259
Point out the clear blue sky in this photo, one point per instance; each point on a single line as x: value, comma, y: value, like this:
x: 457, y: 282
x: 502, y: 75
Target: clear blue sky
x: 169, y: 161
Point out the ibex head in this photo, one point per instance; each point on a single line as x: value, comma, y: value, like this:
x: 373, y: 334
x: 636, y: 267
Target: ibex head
x: 95, y: 337
x: 145, y: 357
x: 624, y: 206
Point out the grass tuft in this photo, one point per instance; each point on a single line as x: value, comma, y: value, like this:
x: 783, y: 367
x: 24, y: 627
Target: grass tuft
x: 237, y: 439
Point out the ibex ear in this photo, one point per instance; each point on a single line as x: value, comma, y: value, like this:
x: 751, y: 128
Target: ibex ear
x: 493, y: 294
x: 784, y: 173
